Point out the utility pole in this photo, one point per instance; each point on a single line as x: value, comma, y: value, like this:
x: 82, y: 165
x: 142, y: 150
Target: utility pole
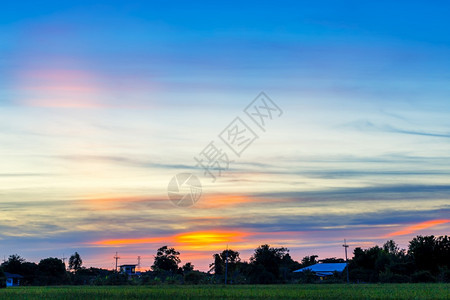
x: 116, y: 258
x: 226, y: 265
x: 346, y: 259
x: 64, y: 262
x: 139, y: 263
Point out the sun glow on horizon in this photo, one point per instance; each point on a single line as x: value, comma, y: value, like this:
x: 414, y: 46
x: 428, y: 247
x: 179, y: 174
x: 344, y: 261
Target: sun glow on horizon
x: 208, y: 239
x: 190, y: 240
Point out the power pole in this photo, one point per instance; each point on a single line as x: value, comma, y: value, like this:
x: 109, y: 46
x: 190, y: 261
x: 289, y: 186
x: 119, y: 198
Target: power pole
x: 64, y: 262
x: 116, y: 258
x: 226, y: 265
x: 139, y: 263
x: 346, y: 259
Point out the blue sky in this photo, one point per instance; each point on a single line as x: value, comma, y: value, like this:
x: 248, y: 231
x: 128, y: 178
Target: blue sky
x: 102, y: 103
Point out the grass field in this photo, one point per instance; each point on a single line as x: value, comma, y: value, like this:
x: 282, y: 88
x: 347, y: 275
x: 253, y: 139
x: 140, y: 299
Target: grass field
x: 316, y: 291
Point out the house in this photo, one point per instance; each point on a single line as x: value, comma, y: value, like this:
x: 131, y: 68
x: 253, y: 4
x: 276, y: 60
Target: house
x: 325, y: 269
x: 12, y: 279
x: 130, y: 270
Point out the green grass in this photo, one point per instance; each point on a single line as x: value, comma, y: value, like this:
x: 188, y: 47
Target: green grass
x: 241, y: 292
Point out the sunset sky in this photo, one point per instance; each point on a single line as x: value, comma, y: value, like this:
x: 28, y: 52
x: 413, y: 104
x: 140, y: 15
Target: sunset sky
x: 101, y: 104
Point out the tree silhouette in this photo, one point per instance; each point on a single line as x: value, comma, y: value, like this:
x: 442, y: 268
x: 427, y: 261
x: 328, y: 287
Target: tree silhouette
x: 266, y: 262
x: 187, y: 267
x: 13, y: 264
x: 166, y: 259
x: 391, y: 247
x: 220, y: 259
x: 309, y: 261
x: 2, y: 279
x: 52, y: 271
x: 423, y: 251
x: 75, y: 262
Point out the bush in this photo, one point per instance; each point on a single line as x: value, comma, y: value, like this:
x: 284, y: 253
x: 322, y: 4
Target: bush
x: 423, y: 276
x: 389, y: 277
x: 266, y: 277
x: 193, y: 277
x: 444, y: 275
x: 116, y: 279
x: 307, y: 277
x: 173, y: 279
x: 2, y: 279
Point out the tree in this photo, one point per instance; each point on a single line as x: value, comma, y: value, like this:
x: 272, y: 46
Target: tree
x: 166, y: 259
x: 309, y: 261
x: 52, y: 266
x: 187, y: 267
x: 75, y: 262
x: 287, y: 266
x: 13, y: 264
x: 17, y: 265
x: 29, y: 272
x: 2, y: 279
x: 430, y: 253
x: 220, y: 259
x: 366, y: 265
x: 52, y: 270
x: 422, y: 249
x: 332, y: 260
x: 217, y: 267
x: 266, y: 262
x: 443, y: 251
x: 391, y: 247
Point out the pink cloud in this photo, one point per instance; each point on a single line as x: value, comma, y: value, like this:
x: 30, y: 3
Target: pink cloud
x: 61, y: 88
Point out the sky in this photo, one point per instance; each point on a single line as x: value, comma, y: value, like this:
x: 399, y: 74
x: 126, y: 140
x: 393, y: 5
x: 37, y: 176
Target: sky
x: 102, y: 103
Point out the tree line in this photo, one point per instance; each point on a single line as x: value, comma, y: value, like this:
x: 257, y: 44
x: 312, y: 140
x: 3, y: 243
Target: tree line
x: 427, y: 259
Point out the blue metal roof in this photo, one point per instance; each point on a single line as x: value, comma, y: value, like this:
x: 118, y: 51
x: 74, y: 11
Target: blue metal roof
x: 324, y: 269
x: 10, y: 275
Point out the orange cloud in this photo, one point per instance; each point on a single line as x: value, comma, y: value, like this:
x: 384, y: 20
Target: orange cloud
x: 132, y: 241
x: 105, y: 203
x: 213, y: 201
x: 208, y: 239
x: 419, y: 226
x: 205, y: 221
x: 198, y: 240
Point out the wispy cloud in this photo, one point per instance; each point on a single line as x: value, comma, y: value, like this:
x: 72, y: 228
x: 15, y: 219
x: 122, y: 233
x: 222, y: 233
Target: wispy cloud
x: 417, y: 227
x: 366, y: 125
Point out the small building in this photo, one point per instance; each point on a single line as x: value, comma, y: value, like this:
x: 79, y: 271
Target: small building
x: 12, y: 279
x: 323, y: 270
x: 130, y: 270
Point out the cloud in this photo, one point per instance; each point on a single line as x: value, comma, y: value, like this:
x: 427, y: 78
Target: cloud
x: 126, y: 160
x: 417, y: 227
x: 25, y: 174
x: 60, y: 88
x: 366, y: 125
x: 416, y: 132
